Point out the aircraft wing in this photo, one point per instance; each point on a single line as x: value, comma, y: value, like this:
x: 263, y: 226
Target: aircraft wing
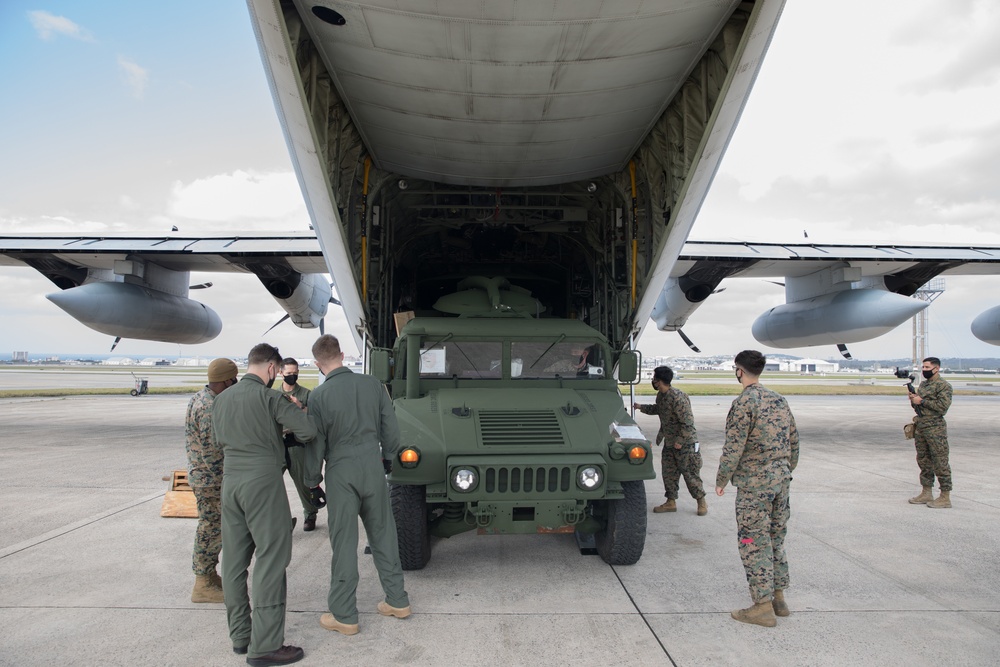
x: 137, y: 286
x: 834, y: 294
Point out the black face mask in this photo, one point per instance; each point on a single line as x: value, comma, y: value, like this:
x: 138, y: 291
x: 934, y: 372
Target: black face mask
x: 928, y: 374
x: 291, y: 379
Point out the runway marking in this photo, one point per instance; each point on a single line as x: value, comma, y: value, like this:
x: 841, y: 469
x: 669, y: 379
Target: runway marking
x: 58, y: 532
x: 642, y: 615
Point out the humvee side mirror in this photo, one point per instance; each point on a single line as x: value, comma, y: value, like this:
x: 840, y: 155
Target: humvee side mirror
x: 380, y: 363
x: 628, y: 366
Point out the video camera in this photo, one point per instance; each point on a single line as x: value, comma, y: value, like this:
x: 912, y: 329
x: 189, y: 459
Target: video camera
x: 907, y: 375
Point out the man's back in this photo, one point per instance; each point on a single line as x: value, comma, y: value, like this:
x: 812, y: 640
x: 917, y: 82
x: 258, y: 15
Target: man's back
x: 351, y: 408
x: 247, y: 421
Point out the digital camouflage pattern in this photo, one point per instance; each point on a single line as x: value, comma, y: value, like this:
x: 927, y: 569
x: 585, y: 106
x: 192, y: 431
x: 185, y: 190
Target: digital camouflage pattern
x: 204, y: 455
x: 761, y: 451
x: 677, y: 427
x: 208, y: 536
x: 205, y: 479
x: 930, y: 437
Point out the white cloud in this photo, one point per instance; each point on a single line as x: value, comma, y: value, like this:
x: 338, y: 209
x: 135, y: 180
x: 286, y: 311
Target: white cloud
x: 49, y: 25
x: 135, y: 76
x: 242, y: 199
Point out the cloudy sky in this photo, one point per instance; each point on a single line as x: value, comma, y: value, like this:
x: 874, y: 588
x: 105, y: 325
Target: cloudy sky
x: 867, y: 124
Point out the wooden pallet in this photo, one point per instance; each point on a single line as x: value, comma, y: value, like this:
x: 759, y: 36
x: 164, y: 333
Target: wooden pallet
x: 179, y: 501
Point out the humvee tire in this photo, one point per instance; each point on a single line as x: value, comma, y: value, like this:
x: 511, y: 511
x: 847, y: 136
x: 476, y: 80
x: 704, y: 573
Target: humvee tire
x: 409, y: 507
x: 624, y: 535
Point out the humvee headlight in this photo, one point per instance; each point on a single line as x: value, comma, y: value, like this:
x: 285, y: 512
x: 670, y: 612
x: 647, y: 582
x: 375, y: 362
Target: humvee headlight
x: 637, y: 454
x: 464, y: 479
x: 409, y: 457
x: 589, y: 478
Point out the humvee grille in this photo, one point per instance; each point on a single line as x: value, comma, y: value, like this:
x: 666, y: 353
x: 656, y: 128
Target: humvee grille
x: 520, y: 427
x: 527, y: 479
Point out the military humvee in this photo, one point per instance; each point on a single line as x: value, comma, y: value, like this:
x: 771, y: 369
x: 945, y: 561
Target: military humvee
x: 512, y: 424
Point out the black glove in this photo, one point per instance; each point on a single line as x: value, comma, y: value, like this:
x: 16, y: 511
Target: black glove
x: 387, y: 466
x: 317, y: 497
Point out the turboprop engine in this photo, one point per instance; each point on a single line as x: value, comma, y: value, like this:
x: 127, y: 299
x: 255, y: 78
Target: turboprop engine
x: 127, y: 310
x: 986, y: 326
x: 834, y: 306
x: 305, y: 297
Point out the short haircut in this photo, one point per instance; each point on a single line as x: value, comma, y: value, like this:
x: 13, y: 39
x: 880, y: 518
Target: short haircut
x: 326, y: 348
x: 751, y: 361
x: 933, y: 361
x: 663, y: 374
x: 289, y: 361
x: 263, y: 353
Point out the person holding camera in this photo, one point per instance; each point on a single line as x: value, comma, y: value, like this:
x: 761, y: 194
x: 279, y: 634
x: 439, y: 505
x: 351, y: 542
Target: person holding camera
x: 681, y: 455
x: 930, y: 435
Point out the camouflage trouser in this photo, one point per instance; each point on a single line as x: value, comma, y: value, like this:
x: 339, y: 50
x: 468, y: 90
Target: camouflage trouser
x: 931, y: 440
x: 676, y: 462
x: 208, y: 538
x: 762, y: 511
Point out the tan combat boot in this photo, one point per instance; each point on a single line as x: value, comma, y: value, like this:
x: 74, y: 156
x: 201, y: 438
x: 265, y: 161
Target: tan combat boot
x: 925, y: 497
x: 762, y: 613
x: 330, y: 622
x: 216, y: 579
x: 669, y: 506
x: 204, y: 591
x: 702, y: 506
x: 941, y: 502
x: 778, y: 604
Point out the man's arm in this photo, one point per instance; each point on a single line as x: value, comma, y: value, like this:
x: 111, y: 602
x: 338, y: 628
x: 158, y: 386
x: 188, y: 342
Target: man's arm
x: 388, y: 433
x: 793, y: 439
x: 737, y: 431
x: 938, y: 400
x: 315, y: 450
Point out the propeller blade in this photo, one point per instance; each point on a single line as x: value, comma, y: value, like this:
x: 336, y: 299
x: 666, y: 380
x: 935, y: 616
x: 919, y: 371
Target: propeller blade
x: 201, y: 286
x: 721, y: 289
x: 774, y: 282
x: 335, y: 302
x: 115, y: 344
x: 843, y: 351
x: 322, y: 327
x: 277, y: 323
x: 688, y: 341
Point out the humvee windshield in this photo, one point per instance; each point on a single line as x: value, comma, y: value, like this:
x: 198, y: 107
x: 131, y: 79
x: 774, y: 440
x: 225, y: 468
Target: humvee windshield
x: 450, y: 358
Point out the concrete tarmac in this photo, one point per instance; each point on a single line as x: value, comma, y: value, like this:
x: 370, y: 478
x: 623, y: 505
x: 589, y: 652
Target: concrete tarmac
x: 90, y: 574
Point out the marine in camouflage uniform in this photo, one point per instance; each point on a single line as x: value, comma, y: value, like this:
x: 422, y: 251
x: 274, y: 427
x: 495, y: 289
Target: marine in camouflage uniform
x: 930, y: 435
x: 681, y: 455
x: 761, y: 451
x: 205, y: 479
x: 295, y: 453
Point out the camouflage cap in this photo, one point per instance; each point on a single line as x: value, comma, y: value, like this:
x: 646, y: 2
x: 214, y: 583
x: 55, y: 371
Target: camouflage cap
x: 221, y: 370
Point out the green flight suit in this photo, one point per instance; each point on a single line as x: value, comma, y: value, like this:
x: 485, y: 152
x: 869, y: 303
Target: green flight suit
x: 297, y: 457
x: 247, y: 421
x: 354, y: 415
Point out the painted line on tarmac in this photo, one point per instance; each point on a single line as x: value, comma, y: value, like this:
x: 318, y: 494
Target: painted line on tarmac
x: 58, y: 532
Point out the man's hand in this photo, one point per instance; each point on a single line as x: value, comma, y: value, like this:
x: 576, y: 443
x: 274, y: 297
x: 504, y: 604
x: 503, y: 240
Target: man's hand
x: 720, y: 491
x: 387, y: 466
x: 677, y: 445
x: 317, y: 497
x: 916, y: 399
x: 293, y: 400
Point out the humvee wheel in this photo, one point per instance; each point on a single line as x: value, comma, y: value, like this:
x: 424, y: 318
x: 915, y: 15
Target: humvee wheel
x: 624, y: 534
x: 409, y: 506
